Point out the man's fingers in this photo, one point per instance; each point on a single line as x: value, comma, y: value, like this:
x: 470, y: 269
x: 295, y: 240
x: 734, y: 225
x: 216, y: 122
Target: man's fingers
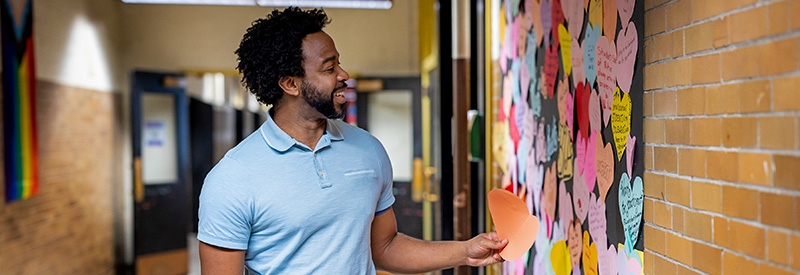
x: 493, y: 236
x: 496, y: 245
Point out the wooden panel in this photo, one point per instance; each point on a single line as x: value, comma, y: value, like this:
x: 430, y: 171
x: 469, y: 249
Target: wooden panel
x: 163, y: 263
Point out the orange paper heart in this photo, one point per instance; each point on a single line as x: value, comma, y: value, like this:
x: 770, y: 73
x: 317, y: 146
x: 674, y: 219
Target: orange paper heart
x: 513, y: 222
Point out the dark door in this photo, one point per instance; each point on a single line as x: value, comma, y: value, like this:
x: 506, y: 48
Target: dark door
x: 161, y: 183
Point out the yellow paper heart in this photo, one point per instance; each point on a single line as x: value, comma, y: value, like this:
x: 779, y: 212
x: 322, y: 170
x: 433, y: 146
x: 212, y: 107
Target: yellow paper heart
x: 566, y: 48
x: 560, y: 258
x: 589, y: 256
x: 621, y: 121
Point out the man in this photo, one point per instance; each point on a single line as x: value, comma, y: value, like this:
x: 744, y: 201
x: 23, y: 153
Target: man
x: 307, y: 193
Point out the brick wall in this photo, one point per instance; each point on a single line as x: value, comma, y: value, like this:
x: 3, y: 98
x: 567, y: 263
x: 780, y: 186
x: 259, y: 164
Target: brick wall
x: 67, y: 228
x: 722, y: 180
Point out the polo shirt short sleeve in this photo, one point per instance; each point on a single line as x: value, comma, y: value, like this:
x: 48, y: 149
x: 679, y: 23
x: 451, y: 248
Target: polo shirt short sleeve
x: 295, y: 210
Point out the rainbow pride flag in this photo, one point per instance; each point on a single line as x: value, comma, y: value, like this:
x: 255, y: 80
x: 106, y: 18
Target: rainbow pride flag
x: 20, y: 154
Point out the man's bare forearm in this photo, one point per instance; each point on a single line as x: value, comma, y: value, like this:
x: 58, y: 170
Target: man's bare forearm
x: 405, y: 254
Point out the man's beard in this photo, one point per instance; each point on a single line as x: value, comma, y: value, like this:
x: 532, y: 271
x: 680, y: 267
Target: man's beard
x: 317, y: 100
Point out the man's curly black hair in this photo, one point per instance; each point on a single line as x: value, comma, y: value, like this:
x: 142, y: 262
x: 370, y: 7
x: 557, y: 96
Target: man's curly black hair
x: 272, y: 48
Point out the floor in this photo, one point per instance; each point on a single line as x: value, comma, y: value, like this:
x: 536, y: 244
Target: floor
x: 194, y: 256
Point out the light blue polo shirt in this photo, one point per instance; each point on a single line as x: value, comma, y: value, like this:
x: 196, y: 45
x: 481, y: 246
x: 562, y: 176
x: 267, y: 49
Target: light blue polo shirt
x: 296, y: 210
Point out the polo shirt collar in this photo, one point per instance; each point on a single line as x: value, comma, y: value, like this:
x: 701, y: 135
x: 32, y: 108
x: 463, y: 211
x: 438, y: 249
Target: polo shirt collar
x: 281, y: 141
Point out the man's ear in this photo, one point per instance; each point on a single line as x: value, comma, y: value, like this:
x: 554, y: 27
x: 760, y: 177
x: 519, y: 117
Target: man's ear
x: 290, y: 85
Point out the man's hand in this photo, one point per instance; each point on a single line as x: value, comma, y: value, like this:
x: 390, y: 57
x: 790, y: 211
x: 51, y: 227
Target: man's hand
x: 484, y: 249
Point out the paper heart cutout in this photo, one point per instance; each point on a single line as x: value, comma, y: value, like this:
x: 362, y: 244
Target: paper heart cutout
x: 514, y: 33
x: 522, y: 34
x: 580, y: 198
x: 560, y: 258
x: 595, y: 116
x: 513, y: 222
x: 589, y: 49
x: 575, y: 243
x: 621, y: 121
x: 606, y: 64
x: 530, y: 57
x: 513, y: 128
x: 578, y: 73
x: 610, y: 18
x: 606, y: 102
x: 565, y: 152
x: 543, y: 81
x: 565, y: 104
x: 546, y: 15
x: 596, y: 13
x: 541, y: 143
x: 604, y: 165
x: 585, y: 5
x: 564, y: 206
x: 557, y: 18
x: 631, y: 200
x: 625, y: 8
x: 589, y: 256
x: 506, y: 100
x: 628, y: 265
x: 629, y: 153
x: 522, y: 158
x: 550, y: 191
x: 536, y: 100
x: 580, y: 154
x: 573, y: 11
x: 553, y: 142
x: 551, y: 70
x: 597, y: 221
x: 534, y: 10
x: 607, y: 260
x: 515, y: 89
x: 627, y: 46
x: 566, y: 48
x: 534, y: 181
x: 524, y: 80
x: 582, y: 106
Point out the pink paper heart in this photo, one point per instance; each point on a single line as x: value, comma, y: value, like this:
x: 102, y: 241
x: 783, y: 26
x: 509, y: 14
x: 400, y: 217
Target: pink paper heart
x: 606, y: 102
x: 629, y: 152
x: 575, y: 243
x: 513, y: 128
x: 514, y: 26
x: 625, y: 8
x: 609, y: 19
x: 607, y: 260
x: 604, y: 162
x: 595, y: 116
x: 589, y: 167
x: 580, y: 198
x: 597, y: 221
x: 564, y: 205
x: 627, y: 46
x: 580, y: 154
x: 606, y: 63
x: 551, y: 63
x: 578, y: 73
x: 573, y: 11
x: 541, y: 143
x: 565, y: 104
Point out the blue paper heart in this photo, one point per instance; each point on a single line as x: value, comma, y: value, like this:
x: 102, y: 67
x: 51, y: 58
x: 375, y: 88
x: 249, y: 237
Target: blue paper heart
x: 631, y: 200
x: 589, y: 45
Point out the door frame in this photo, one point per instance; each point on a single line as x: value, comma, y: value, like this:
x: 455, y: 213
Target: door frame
x: 158, y: 82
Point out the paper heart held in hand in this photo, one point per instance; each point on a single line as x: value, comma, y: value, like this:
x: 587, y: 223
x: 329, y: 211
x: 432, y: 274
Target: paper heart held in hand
x: 513, y: 222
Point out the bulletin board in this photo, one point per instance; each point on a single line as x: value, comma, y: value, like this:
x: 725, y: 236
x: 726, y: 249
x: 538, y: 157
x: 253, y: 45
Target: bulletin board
x: 567, y: 133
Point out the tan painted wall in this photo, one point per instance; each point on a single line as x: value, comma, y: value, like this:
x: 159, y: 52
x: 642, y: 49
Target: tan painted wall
x: 722, y: 183
x: 170, y: 37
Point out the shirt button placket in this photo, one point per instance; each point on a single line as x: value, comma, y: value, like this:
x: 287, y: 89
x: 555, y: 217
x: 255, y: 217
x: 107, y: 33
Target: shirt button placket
x: 323, y: 179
